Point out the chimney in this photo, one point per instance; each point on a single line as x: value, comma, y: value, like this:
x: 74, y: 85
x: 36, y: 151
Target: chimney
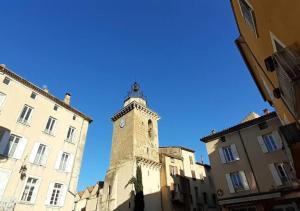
x: 266, y: 111
x: 67, y: 99
x: 45, y: 89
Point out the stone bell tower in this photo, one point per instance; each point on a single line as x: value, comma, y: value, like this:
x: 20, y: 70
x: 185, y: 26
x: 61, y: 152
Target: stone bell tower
x: 134, y: 142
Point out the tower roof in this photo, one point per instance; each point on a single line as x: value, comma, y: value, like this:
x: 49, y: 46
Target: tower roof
x: 135, y: 92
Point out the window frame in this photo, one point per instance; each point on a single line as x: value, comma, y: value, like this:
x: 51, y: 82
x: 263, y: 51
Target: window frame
x: 6, y: 80
x: 72, y: 138
x: 227, y: 155
x: 8, y: 147
x: 34, y: 192
x: 283, y: 166
x: 64, y: 161
x: 56, y: 195
x: 252, y: 25
x: 23, y: 120
x: 42, y: 155
x: 236, y: 175
x: 270, y: 142
x: 3, y: 101
x: 52, y: 124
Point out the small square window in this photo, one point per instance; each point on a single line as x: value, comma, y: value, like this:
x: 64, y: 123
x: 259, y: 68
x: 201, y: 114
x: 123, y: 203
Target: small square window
x: 74, y: 117
x: 33, y: 95
x: 55, y: 108
x: 6, y: 80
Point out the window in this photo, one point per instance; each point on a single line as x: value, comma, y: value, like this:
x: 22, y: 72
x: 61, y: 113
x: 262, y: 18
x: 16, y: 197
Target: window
x: 193, y: 175
x: 228, y: 154
x: 248, y: 14
x: 150, y: 128
x: 40, y: 154
x: 55, y: 108
x: 56, y: 194
x: 2, y: 98
x: 238, y: 181
x: 12, y: 145
x: 204, y: 198
x: 270, y: 142
x: 196, y: 193
x: 172, y: 160
x: 64, y: 161
x: 74, y: 117
x: 191, y: 160
x: 25, y: 115
x: 6, y: 80
x: 50, y: 125
x: 173, y: 170
x: 282, y: 170
x: 71, y: 134
x: 33, y: 95
x: 30, y: 190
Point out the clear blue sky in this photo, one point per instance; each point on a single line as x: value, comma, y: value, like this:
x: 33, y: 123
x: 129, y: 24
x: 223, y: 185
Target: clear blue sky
x: 182, y: 53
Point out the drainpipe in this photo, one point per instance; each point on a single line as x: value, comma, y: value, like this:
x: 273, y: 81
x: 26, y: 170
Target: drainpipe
x: 248, y: 159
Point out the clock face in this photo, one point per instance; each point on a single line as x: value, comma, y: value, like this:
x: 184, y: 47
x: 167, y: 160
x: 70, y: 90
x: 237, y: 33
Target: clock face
x: 122, y: 123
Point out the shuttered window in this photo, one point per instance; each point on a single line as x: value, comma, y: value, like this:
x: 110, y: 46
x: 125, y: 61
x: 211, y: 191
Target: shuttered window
x: 25, y: 115
x: 228, y: 154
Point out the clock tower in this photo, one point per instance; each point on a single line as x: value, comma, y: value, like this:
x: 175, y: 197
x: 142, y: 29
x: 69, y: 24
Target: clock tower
x: 134, y: 142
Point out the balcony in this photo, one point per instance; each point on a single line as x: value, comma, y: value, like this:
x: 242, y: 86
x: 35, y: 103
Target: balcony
x: 287, y: 62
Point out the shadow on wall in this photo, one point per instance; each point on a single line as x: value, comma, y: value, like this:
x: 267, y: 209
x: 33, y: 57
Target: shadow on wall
x: 150, y: 202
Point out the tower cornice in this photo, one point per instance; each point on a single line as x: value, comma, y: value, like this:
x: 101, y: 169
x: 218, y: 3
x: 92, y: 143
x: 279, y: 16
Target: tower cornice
x: 134, y: 105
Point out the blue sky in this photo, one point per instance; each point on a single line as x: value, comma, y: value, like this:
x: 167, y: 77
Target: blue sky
x: 181, y: 52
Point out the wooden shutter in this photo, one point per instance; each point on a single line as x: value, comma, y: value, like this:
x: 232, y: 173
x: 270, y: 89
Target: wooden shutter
x: 262, y: 144
x: 4, y: 177
x: 244, y: 180
x: 34, y: 152
x: 222, y: 157
x: 58, y: 159
x: 277, y: 139
x: 275, y: 174
x: 20, y: 148
x: 229, y: 183
x: 70, y: 163
x: 36, y: 190
x: 50, y: 189
x: 234, y: 152
x: 63, y: 195
x: 45, y: 157
x: 4, y: 142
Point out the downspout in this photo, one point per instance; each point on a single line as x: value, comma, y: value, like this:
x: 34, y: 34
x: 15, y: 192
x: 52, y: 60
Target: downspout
x: 248, y: 159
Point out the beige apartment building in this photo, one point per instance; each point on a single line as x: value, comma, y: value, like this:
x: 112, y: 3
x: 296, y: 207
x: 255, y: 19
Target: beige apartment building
x: 250, y: 167
x: 42, y: 140
x: 185, y: 183
x: 269, y: 44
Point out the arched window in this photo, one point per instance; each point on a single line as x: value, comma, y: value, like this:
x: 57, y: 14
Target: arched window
x: 150, y: 128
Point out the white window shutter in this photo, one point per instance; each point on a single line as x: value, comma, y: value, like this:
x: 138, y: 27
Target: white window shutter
x: 70, y: 163
x: 234, y: 152
x: 244, y: 180
x: 58, y: 159
x: 51, y: 186
x: 277, y: 139
x: 262, y: 144
x: 33, y: 153
x: 222, y: 157
x: 36, y: 190
x: 63, y: 195
x: 20, y: 148
x: 4, y: 142
x: 45, y: 157
x: 229, y: 183
x: 275, y: 174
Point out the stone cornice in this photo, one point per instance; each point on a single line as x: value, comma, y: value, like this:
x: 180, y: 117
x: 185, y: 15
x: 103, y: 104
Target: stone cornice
x: 130, y: 107
x: 148, y: 162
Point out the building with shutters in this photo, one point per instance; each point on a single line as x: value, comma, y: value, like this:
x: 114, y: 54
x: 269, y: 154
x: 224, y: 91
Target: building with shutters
x: 250, y: 166
x: 269, y: 44
x: 185, y: 183
x: 41, y: 146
